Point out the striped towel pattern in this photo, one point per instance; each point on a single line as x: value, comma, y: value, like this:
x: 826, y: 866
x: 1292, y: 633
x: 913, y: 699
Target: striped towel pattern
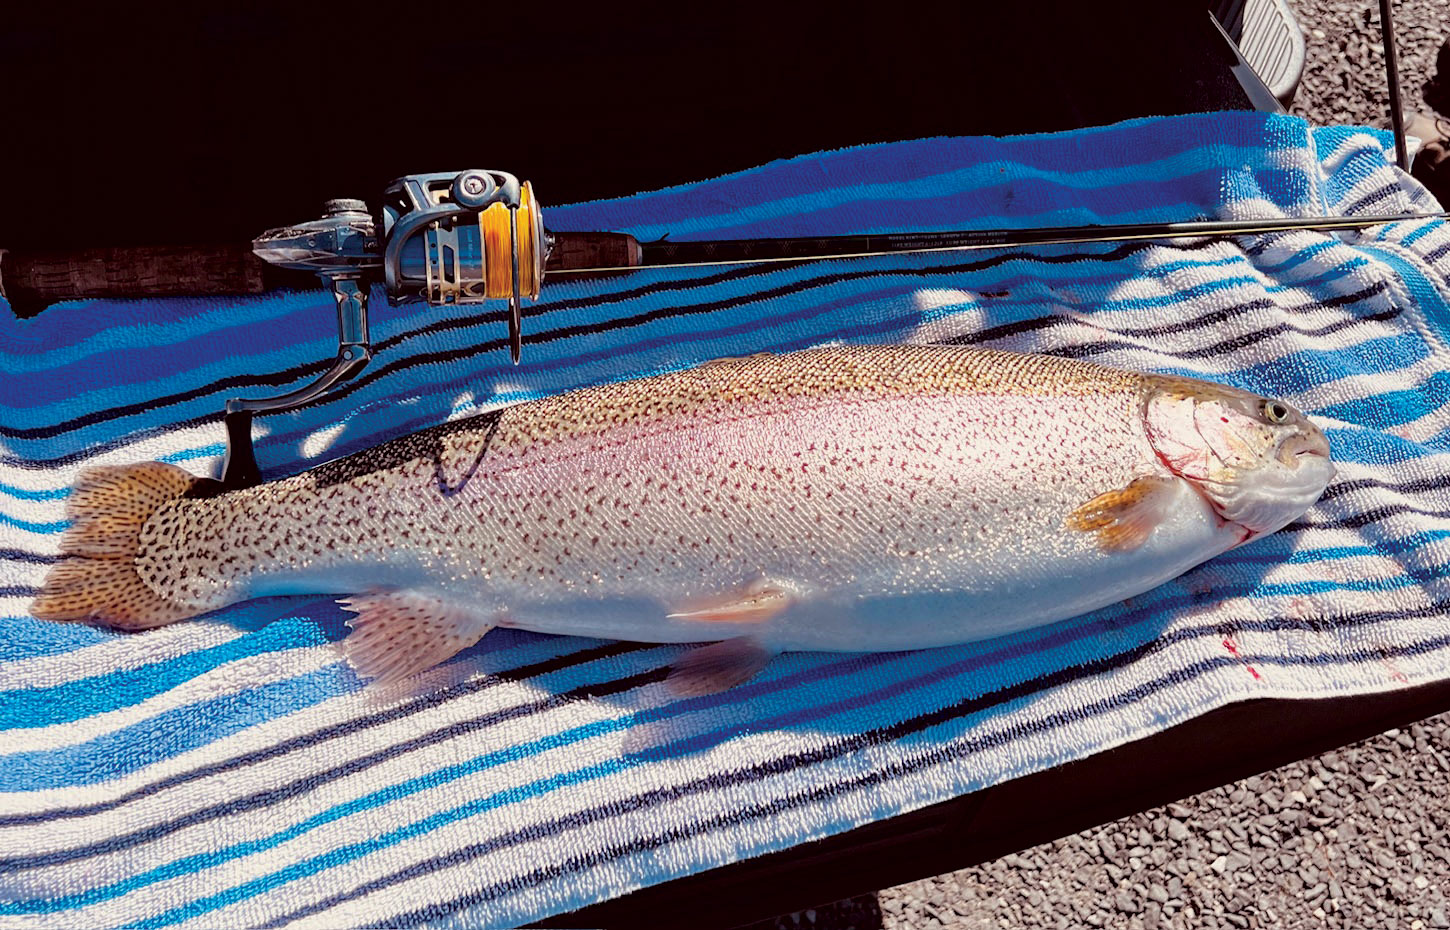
x: 234, y: 772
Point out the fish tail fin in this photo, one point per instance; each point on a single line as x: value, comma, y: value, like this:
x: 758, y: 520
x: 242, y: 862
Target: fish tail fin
x: 97, y: 579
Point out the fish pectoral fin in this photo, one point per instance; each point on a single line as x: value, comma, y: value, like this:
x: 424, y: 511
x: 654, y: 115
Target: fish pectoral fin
x: 718, y: 666
x: 1124, y: 518
x: 755, y: 604
x: 399, y: 633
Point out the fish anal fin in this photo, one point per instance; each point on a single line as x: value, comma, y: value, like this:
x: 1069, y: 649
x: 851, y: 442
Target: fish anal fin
x: 755, y: 604
x: 1124, y: 518
x: 400, y: 633
x: 718, y: 666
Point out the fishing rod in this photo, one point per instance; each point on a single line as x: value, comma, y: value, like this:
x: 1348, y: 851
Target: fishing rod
x: 473, y: 236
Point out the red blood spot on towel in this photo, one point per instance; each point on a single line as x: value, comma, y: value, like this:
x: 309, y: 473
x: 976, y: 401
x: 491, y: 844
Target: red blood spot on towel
x: 1233, y: 650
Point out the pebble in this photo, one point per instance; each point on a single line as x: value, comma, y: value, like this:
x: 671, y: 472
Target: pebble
x: 1344, y: 74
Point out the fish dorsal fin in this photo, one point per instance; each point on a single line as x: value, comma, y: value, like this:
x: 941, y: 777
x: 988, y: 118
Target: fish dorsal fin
x: 734, y: 359
x: 718, y: 666
x: 400, y: 633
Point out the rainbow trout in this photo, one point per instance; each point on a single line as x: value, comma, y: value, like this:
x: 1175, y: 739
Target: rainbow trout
x: 868, y: 498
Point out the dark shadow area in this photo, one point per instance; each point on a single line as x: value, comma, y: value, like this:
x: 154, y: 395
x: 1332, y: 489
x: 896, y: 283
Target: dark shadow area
x: 862, y: 912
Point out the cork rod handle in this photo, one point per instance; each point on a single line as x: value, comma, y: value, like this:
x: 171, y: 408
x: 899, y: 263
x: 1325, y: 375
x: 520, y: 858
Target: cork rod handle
x: 30, y: 281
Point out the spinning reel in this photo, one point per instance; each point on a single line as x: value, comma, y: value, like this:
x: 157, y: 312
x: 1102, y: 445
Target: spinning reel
x: 447, y: 238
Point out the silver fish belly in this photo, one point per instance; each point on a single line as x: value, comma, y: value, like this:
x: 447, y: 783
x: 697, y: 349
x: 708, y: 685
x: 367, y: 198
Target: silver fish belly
x: 851, y: 499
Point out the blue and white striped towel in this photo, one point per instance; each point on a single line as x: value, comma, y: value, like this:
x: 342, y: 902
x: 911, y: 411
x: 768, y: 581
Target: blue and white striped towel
x: 233, y: 771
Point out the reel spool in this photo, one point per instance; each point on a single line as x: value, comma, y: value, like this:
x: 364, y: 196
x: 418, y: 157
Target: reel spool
x: 500, y: 227
x: 464, y: 238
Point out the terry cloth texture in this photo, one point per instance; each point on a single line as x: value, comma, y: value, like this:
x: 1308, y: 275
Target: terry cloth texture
x: 234, y: 772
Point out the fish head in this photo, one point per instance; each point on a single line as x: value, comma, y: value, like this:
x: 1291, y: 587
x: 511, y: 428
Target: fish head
x: 1258, y: 461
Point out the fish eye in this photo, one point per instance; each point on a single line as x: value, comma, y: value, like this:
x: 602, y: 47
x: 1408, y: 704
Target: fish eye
x: 1275, y: 412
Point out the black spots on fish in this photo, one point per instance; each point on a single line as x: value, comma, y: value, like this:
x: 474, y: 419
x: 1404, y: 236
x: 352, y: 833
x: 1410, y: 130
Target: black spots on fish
x: 425, y: 444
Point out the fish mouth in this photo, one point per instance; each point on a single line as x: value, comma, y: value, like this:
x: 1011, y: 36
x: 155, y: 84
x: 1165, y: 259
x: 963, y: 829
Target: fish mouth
x: 1309, y: 455
x: 1294, y: 449
x: 1316, y: 454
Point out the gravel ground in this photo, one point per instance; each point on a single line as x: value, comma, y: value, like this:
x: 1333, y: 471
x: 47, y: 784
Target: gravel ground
x: 1357, y: 838
x: 1344, y: 74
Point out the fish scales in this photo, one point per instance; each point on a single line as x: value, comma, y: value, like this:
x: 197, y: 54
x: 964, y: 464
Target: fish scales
x: 707, y: 460
x: 848, y: 498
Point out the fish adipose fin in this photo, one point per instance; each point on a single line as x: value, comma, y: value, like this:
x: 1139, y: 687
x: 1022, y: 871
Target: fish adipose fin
x: 718, y: 666
x: 1124, y: 518
x: 97, y: 581
x: 400, y: 633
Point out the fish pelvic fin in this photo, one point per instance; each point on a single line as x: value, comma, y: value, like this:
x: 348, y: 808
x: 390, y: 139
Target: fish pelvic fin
x: 400, y: 633
x: 1124, y: 518
x: 97, y: 579
x: 718, y: 666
